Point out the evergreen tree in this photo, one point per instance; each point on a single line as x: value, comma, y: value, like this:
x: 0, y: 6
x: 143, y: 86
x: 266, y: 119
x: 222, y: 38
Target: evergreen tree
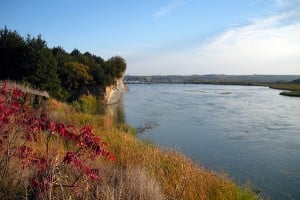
x: 43, y: 63
x: 13, y: 56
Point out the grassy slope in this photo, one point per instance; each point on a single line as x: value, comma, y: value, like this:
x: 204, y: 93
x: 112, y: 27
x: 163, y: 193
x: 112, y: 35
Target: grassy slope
x: 143, y: 171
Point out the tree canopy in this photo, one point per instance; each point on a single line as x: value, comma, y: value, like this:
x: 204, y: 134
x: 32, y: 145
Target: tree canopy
x: 62, y: 74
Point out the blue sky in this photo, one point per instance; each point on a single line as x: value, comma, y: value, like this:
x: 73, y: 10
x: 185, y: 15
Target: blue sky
x: 169, y: 36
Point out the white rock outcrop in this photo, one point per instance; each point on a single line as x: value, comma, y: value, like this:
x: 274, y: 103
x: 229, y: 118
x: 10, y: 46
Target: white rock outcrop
x: 114, y: 92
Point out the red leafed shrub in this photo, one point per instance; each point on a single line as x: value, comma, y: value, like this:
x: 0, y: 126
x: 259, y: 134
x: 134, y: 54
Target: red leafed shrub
x: 21, y: 127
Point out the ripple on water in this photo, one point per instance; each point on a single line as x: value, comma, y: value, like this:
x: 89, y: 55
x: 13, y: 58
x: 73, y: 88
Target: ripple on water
x: 252, y: 132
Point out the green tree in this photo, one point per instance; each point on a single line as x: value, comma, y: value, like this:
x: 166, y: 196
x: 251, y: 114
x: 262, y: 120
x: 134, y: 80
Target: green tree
x: 75, y: 74
x: 95, y: 66
x: 62, y: 74
x: 61, y: 56
x: 75, y: 54
x: 44, y: 67
x: 114, y: 68
x: 13, y: 56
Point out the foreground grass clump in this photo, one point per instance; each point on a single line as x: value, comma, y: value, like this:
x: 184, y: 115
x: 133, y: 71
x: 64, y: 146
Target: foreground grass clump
x: 165, y: 174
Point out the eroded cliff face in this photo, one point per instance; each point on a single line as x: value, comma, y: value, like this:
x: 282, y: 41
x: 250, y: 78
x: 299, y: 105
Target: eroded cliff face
x: 114, y: 92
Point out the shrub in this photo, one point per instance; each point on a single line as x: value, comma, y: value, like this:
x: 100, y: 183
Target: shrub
x: 30, y: 157
x: 87, y: 104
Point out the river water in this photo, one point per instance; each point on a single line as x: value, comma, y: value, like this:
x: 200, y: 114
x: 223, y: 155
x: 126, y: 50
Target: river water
x: 251, y: 133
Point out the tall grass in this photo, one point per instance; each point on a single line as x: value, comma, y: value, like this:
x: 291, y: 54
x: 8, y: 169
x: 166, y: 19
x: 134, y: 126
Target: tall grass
x: 165, y: 174
x: 141, y: 170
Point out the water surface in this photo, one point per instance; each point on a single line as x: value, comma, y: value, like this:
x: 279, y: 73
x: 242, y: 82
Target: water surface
x: 249, y: 132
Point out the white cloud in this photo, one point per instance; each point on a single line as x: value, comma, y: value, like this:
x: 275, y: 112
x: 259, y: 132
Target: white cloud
x: 265, y: 46
x: 269, y: 45
x: 167, y: 9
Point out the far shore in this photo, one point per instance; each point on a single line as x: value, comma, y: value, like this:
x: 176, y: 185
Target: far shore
x: 290, y: 89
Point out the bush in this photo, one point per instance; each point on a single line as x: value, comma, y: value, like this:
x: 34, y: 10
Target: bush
x: 87, y: 104
x: 38, y: 155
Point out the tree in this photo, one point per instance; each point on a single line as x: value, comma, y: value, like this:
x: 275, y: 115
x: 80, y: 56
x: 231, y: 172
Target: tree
x: 117, y: 66
x: 13, y: 55
x: 75, y: 53
x: 60, y: 73
x: 114, y: 67
x: 44, y: 67
x: 95, y: 65
x: 61, y: 56
x: 75, y: 74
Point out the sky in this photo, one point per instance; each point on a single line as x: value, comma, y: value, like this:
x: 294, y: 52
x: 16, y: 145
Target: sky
x: 169, y: 37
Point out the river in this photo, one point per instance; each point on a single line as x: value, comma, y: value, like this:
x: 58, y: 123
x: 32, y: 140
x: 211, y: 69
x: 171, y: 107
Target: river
x: 249, y: 132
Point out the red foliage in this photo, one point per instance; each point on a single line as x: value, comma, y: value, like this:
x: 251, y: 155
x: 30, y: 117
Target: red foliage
x: 19, y: 119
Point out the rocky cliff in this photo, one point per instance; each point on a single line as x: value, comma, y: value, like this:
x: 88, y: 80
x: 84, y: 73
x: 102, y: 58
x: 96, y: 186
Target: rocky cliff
x: 114, y: 92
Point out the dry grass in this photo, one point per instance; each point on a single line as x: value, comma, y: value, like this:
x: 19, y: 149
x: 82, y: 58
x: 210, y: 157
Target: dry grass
x: 125, y: 184
x: 141, y: 171
x: 179, y: 176
x: 142, y: 168
x: 27, y: 88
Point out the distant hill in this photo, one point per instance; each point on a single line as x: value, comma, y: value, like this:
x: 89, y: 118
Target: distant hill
x: 213, y: 78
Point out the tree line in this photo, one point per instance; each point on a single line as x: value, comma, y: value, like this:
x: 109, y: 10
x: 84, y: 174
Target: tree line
x: 64, y: 75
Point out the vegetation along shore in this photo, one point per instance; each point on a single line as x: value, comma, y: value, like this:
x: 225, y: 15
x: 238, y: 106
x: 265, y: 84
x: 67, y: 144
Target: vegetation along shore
x: 63, y: 149
x: 292, y: 88
x: 58, y: 152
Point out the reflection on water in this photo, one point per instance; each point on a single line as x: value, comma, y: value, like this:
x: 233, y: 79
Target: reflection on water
x: 252, y: 133
x: 146, y: 126
x: 116, y: 111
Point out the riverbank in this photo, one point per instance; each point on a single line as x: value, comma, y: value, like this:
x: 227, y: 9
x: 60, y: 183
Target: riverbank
x: 293, y: 88
x: 56, y: 152
x: 142, y: 170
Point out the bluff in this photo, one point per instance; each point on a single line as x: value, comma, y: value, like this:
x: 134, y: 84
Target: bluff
x: 114, y: 92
